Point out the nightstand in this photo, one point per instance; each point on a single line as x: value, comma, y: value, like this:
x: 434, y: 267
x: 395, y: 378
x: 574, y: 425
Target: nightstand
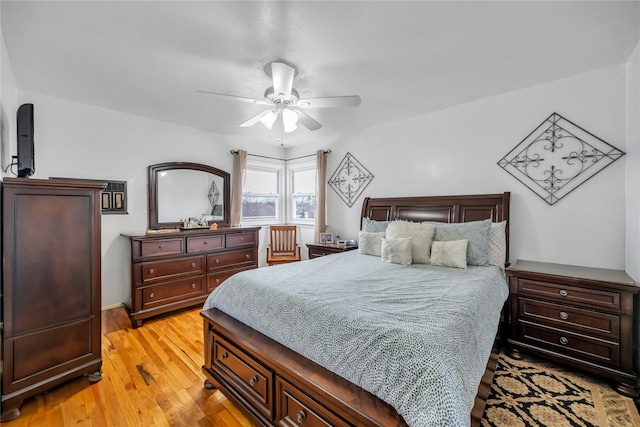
x: 317, y: 250
x: 581, y: 317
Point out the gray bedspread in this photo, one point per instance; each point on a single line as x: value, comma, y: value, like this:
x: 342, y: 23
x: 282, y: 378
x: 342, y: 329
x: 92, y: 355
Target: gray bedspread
x: 417, y: 336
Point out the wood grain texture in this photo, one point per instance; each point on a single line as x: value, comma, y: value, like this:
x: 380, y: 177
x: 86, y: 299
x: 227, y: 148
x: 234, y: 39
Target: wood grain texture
x: 151, y: 376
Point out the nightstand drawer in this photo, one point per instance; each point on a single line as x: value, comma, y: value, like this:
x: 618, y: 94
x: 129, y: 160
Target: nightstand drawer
x: 570, y: 294
x: 587, y: 322
x: 571, y: 344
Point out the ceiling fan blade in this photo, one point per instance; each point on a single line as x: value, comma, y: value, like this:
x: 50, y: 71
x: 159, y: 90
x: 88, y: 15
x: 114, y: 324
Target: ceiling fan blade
x: 282, y: 78
x: 234, y: 98
x: 306, y: 121
x: 255, y: 119
x: 329, y: 102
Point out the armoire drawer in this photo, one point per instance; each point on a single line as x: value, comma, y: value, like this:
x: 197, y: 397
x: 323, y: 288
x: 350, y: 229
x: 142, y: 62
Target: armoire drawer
x: 206, y: 243
x: 294, y: 408
x: 571, y: 344
x: 162, y: 247
x: 170, y: 292
x: 230, y: 260
x: 588, y: 322
x: 171, y: 269
x: 251, y: 379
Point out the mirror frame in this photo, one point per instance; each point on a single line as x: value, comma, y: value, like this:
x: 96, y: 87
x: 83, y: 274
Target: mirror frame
x: 153, y: 191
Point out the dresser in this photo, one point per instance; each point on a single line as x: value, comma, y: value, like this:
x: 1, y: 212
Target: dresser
x: 171, y: 271
x: 317, y: 250
x: 50, y: 286
x: 578, y: 316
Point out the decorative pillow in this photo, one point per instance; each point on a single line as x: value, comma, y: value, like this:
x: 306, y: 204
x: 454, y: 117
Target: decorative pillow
x: 421, y: 235
x: 498, y: 243
x: 370, y: 243
x: 397, y: 250
x: 374, y: 226
x: 476, y: 232
x: 452, y: 253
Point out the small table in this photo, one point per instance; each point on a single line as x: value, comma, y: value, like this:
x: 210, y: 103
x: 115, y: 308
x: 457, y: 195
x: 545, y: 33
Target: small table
x: 317, y: 250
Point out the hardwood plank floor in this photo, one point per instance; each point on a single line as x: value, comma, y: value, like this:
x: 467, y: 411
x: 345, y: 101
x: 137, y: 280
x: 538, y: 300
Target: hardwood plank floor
x: 151, y: 376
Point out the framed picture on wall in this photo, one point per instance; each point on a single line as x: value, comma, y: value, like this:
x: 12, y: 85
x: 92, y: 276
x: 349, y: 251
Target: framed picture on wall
x: 326, y: 238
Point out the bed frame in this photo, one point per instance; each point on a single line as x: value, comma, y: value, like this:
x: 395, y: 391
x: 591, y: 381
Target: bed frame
x: 274, y: 386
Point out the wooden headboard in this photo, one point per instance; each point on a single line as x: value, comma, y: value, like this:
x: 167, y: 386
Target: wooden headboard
x: 476, y: 207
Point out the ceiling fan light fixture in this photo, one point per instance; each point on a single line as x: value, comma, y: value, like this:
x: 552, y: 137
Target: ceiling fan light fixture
x: 289, y: 119
x: 269, y: 119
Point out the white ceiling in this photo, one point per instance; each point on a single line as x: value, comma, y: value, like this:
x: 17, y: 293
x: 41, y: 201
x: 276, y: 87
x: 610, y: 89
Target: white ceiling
x: 403, y: 58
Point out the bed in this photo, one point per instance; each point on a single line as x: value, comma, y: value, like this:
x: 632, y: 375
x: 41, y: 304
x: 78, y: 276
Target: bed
x: 302, y: 344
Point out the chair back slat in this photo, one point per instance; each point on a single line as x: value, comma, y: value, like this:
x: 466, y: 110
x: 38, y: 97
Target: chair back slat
x: 283, y: 239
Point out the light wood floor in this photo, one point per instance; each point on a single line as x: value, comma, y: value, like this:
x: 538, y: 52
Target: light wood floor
x: 151, y: 376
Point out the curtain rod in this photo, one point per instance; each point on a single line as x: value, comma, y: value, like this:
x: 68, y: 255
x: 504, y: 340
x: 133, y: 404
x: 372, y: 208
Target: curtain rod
x: 276, y: 158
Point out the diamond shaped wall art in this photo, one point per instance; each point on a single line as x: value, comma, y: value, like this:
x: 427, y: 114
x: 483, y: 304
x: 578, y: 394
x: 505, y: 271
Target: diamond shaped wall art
x: 558, y: 157
x: 350, y: 179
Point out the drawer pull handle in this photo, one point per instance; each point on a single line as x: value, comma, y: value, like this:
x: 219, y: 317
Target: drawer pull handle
x: 204, y: 243
x: 217, y: 280
x: 223, y: 356
x: 564, y: 341
x: 241, y: 238
x: 563, y: 292
x: 253, y: 380
x: 151, y: 295
x: 151, y: 271
x: 160, y: 246
x: 301, y: 416
x: 563, y: 315
x: 193, y: 264
x: 217, y: 261
x: 247, y: 256
x: 193, y: 286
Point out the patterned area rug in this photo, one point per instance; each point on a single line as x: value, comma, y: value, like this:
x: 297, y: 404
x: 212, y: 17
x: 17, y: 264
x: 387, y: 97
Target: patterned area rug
x: 531, y: 392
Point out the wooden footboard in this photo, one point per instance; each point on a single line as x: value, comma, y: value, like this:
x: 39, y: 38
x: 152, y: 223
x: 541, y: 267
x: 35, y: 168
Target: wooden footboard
x: 274, y: 385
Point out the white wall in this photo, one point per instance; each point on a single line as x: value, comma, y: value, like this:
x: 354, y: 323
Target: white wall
x: 81, y: 141
x: 8, y: 108
x: 633, y: 165
x: 455, y: 151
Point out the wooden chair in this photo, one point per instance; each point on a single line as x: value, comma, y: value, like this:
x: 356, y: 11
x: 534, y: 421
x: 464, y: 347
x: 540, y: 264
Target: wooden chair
x: 283, y: 246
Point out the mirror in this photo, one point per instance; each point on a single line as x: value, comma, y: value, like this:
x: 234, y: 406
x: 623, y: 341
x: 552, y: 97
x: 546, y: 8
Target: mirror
x: 180, y: 190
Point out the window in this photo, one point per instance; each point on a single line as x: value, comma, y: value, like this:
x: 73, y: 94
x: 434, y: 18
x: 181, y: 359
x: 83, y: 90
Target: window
x: 260, y: 192
x: 303, y: 192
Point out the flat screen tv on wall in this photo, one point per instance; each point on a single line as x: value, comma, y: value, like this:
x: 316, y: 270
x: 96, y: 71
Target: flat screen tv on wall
x: 25, y: 157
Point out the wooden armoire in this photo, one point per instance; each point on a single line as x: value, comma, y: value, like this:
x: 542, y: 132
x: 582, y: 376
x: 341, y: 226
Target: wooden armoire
x: 51, y: 253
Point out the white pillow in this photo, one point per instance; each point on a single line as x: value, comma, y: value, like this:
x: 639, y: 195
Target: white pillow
x: 421, y: 235
x: 449, y: 253
x: 397, y: 251
x: 498, y: 243
x: 370, y: 243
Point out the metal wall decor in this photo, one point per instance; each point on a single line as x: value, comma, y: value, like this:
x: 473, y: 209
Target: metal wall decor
x: 558, y: 157
x: 350, y: 179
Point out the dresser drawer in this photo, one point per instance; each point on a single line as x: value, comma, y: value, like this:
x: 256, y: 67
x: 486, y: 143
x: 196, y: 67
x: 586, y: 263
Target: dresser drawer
x: 241, y: 239
x: 570, y: 344
x: 167, y: 293
x: 230, y: 260
x: 171, y: 269
x: 162, y: 247
x: 587, y: 322
x: 214, y: 280
x: 252, y: 380
x: 294, y: 408
x: 570, y: 294
x: 203, y: 244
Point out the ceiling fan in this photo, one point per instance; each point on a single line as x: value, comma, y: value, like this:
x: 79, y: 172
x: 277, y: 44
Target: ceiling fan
x: 283, y: 101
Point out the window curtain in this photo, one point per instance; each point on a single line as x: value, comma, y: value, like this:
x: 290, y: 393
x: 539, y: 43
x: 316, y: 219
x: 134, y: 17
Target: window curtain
x: 321, y: 194
x: 237, y: 180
